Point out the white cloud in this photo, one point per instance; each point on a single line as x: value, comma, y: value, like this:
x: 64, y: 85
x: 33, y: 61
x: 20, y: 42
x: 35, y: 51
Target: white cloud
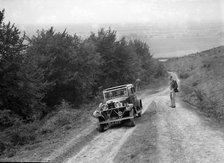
x: 111, y: 11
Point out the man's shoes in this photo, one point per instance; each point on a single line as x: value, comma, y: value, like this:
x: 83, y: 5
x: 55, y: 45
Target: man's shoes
x: 172, y: 106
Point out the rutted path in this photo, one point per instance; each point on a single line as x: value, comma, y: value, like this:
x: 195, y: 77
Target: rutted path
x: 105, y: 146
x: 162, y: 134
x: 182, y: 135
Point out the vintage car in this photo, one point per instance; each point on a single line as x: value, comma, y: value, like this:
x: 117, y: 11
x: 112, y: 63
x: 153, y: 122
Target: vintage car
x: 120, y: 106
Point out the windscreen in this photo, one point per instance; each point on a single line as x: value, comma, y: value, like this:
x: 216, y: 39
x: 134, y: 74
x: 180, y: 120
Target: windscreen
x: 115, y: 93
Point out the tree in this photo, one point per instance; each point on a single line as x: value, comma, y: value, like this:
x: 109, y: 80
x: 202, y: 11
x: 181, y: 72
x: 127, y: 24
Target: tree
x: 145, y: 59
x: 118, y: 63
x: 122, y: 62
x: 69, y: 64
x: 20, y: 88
x: 105, y: 43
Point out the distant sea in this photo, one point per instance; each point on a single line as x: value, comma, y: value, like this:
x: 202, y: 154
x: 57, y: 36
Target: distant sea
x: 164, y: 40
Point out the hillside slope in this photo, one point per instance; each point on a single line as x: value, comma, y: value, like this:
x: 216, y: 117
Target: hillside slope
x: 203, y: 78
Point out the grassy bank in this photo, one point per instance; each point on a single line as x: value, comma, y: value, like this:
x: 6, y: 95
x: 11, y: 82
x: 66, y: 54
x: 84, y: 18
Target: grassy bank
x: 202, y: 80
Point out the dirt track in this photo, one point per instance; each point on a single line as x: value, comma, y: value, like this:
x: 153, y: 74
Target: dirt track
x: 162, y: 134
x: 104, y: 147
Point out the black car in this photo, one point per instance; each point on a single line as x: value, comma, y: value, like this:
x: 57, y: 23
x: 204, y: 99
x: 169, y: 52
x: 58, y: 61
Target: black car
x: 120, y: 105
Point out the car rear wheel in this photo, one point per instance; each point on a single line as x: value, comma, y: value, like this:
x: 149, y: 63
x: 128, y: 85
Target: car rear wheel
x: 140, y: 108
x: 140, y: 114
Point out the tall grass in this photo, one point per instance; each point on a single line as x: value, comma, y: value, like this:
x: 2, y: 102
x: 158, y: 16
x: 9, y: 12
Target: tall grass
x: 21, y: 133
x: 201, y: 100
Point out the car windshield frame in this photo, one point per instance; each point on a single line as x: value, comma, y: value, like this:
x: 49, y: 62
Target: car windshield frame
x: 116, y: 93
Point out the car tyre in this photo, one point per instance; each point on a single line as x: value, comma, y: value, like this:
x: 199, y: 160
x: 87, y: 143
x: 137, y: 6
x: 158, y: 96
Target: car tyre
x: 140, y: 108
x: 132, y: 120
x: 140, y: 114
x: 101, y: 128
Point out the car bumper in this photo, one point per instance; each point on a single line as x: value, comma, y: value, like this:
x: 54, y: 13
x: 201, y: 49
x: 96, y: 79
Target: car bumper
x: 115, y: 120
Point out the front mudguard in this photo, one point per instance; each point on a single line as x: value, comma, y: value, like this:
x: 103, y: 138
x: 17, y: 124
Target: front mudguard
x: 96, y: 114
x: 129, y: 107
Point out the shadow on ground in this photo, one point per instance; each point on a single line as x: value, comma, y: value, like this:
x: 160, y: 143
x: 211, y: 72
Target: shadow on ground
x: 141, y: 145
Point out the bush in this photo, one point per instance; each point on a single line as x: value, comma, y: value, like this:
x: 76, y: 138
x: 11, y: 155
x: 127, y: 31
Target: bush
x: 7, y: 119
x: 184, y: 75
x: 206, y: 63
x: 2, y: 147
x: 194, y: 84
x: 209, y: 106
x: 19, y: 134
x: 64, y: 115
x: 199, y: 99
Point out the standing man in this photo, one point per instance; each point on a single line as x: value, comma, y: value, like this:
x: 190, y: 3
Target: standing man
x: 172, y: 92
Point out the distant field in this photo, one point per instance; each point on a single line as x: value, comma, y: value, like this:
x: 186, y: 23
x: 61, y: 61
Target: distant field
x: 173, y: 47
x: 164, y: 41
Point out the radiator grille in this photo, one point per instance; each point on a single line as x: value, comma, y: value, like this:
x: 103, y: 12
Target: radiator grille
x: 113, y: 113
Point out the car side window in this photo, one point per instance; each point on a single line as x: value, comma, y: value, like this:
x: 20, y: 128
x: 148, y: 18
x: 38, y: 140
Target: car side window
x: 129, y: 91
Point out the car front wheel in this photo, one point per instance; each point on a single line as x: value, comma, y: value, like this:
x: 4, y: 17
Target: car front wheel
x: 101, y: 128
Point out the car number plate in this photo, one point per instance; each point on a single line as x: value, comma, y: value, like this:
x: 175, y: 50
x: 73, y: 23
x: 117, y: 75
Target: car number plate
x: 116, y: 122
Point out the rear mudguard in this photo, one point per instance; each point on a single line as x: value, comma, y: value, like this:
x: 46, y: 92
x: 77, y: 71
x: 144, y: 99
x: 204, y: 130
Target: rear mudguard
x: 139, y: 103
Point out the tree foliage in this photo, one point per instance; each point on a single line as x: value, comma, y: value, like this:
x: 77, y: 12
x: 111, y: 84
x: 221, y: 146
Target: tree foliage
x: 56, y: 66
x: 69, y: 64
x: 21, y: 86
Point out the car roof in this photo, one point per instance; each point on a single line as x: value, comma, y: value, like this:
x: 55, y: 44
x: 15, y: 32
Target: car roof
x: 117, y: 87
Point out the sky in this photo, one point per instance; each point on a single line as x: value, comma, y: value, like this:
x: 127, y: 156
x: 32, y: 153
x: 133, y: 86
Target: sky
x: 112, y: 11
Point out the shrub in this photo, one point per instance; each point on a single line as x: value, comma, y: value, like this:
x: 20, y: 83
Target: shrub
x: 2, y: 147
x: 206, y: 104
x: 64, y: 116
x: 209, y: 106
x: 19, y: 134
x: 206, y: 63
x: 194, y: 84
x: 7, y: 119
x: 184, y: 75
x: 199, y: 94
